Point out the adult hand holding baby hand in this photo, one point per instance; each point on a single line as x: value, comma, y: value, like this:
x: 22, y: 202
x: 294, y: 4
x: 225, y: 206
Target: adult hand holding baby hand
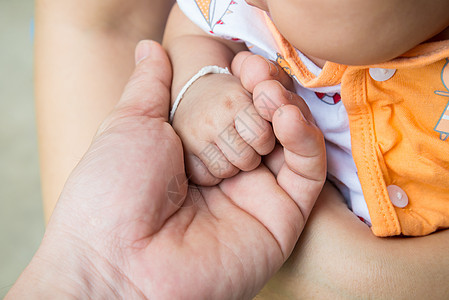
x: 128, y: 225
x: 299, y: 161
x: 221, y: 131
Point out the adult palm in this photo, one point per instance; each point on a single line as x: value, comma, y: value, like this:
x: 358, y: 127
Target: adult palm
x: 128, y: 224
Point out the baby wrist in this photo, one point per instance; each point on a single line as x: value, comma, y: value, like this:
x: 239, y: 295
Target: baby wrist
x: 204, y: 71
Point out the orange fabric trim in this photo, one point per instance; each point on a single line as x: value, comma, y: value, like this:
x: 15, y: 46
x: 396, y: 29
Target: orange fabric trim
x: 395, y: 106
x: 330, y: 75
x: 383, y: 216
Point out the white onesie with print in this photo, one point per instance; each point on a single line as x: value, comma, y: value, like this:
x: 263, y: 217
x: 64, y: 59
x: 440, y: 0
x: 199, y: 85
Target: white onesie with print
x: 238, y: 21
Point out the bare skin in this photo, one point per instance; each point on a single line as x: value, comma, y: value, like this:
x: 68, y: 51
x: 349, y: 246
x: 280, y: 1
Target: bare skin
x: 337, y: 256
x: 219, y: 130
x: 367, y: 32
x: 356, y: 32
x: 123, y: 235
x: 308, y: 271
x: 83, y: 58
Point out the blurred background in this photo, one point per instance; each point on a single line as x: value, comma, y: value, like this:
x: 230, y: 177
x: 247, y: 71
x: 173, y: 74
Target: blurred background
x: 21, y: 217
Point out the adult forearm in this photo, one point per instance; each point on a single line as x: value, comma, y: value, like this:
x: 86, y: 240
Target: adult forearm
x: 338, y: 257
x: 65, y: 268
x: 83, y: 57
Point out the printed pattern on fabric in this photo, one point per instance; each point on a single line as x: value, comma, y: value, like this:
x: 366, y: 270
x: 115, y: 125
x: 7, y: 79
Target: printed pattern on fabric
x: 214, y: 11
x: 443, y: 124
x: 389, y: 133
x: 239, y: 21
x: 402, y: 161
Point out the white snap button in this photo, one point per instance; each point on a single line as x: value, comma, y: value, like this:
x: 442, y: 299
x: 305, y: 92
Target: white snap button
x: 397, y: 196
x: 380, y: 74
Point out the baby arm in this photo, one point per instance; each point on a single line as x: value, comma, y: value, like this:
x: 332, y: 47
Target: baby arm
x: 220, y: 129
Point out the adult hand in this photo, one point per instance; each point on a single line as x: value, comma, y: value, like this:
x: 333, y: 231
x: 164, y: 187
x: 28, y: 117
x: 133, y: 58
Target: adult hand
x: 299, y: 160
x: 127, y: 225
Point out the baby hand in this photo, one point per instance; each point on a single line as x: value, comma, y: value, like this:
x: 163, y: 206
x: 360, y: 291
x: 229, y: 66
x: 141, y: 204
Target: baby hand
x: 300, y: 164
x: 220, y: 129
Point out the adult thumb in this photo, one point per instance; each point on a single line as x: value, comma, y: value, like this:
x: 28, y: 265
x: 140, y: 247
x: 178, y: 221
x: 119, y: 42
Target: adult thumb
x: 147, y: 93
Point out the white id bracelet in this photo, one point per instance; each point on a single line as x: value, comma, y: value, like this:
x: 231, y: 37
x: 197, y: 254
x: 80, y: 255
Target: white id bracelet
x: 204, y: 71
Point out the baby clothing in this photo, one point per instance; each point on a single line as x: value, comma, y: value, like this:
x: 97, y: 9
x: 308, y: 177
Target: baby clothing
x: 386, y: 135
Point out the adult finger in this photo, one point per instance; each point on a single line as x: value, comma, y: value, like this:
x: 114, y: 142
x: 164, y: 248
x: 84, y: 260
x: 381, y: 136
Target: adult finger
x: 258, y: 194
x: 147, y: 93
x: 304, y: 171
x: 275, y: 160
x: 136, y: 152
